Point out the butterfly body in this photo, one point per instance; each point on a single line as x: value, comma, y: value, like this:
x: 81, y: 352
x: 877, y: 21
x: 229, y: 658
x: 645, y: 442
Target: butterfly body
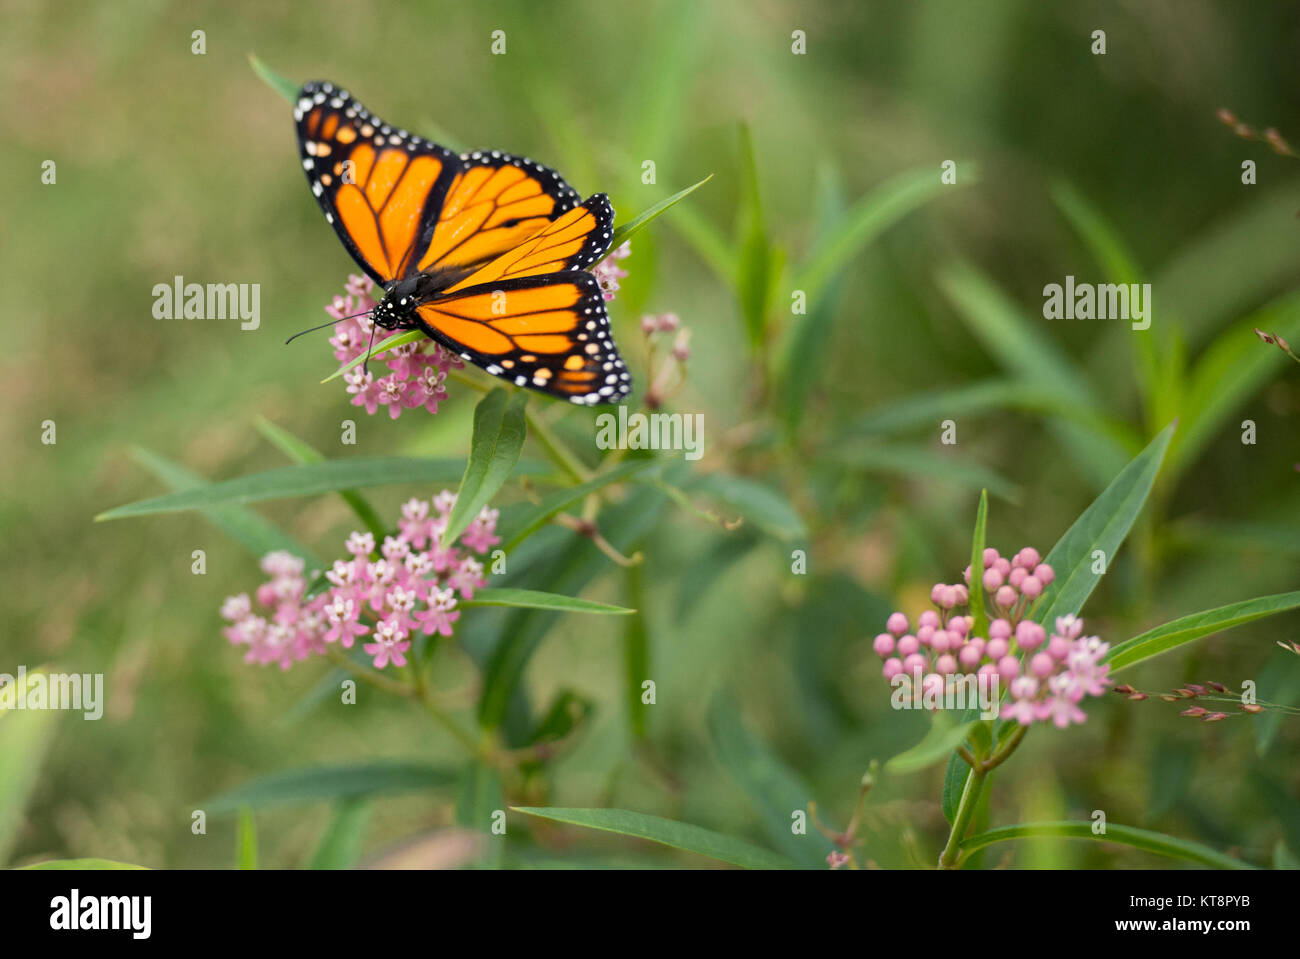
x: 486, y: 252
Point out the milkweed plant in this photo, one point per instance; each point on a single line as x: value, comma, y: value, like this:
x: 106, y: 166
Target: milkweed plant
x: 1002, y: 656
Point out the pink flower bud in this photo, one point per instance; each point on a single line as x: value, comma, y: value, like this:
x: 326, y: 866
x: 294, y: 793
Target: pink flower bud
x: 924, y: 634
x: 1003, y: 566
x: 963, y: 594
x: 947, y: 664
x: 970, y: 655
x: 940, y: 642
x: 988, y: 669
x: 1058, y: 647
x: 990, y: 556
x: 1017, y: 576
x: 1006, y: 597
x: 948, y: 597
x: 965, y: 574
x: 883, y: 645
x: 996, y: 649
x: 668, y: 322
x: 1008, y: 668
x: 893, y: 667
x: 999, y: 629
x: 907, y: 645
x: 976, y: 644
x: 929, y: 618
x: 913, y: 662
x: 992, y: 579
x: 1028, y: 557
x: 1030, y: 635
x: 897, y: 624
x: 1044, y: 574
x: 1042, y: 665
x: 932, y: 684
x: 1031, y: 587
x: 649, y: 323
x: 959, y: 625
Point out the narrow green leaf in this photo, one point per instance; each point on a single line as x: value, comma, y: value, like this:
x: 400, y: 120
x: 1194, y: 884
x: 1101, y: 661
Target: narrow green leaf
x: 1186, y: 629
x: 286, y: 88
x: 757, y: 502
x: 536, y: 599
x: 976, y: 587
x: 246, y: 840
x: 340, y: 845
x: 754, y: 266
x: 625, y: 231
x: 80, y: 865
x: 499, y: 430
x: 1103, y: 526
x: 535, y: 517
x: 636, y: 652
x: 925, y: 464
x: 667, y: 832
x: 938, y: 744
x: 383, y: 346
x: 25, y: 736
x: 317, y: 783
x: 300, y: 451
x: 258, y: 535
x: 1145, y: 839
x: 869, y: 218
x: 772, y: 787
x: 478, y: 799
x: 954, y: 784
x: 306, y: 480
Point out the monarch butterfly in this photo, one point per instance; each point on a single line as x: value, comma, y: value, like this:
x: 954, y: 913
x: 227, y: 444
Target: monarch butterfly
x: 486, y: 252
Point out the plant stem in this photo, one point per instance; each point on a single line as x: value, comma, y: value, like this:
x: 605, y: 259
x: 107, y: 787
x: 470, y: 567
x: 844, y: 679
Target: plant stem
x: 1005, y: 750
x: 369, y: 675
x: 961, y: 821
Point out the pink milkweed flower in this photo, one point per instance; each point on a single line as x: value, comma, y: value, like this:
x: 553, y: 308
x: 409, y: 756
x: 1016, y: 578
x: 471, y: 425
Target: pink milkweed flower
x: 414, y: 584
x: 607, y: 272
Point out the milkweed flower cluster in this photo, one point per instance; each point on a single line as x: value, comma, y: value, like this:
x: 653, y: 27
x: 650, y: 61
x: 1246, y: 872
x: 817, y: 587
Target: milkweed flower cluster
x: 1046, y: 676
x: 417, y: 372
x: 381, y: 596
x: 607, y: 272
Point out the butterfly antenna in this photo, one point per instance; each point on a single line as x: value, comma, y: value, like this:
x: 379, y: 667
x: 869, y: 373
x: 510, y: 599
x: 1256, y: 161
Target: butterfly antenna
x: 313, y: 329
x: 365, y: 365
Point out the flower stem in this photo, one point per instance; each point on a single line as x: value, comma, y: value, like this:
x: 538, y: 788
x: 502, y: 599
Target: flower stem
x: 970, y: 796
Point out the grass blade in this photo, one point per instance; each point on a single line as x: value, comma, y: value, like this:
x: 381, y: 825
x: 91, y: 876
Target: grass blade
x: 536, y: 599
x: 1145, y: 839
x: 499, y: 431
x: 626, y: 231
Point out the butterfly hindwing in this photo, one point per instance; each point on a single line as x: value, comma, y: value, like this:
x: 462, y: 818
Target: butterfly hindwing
x: 379, y: 187
x: 548, y: 332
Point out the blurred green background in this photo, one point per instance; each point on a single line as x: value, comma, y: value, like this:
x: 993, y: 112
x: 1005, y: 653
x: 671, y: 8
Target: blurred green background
x: 172, y: 163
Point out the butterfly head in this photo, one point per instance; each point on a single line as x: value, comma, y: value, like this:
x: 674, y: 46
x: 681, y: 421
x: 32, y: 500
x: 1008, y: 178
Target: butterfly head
x: 397, y: 307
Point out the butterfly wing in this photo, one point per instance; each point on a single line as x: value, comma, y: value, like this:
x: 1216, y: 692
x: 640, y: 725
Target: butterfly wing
x: 548, y: 332
x: 378, y: 186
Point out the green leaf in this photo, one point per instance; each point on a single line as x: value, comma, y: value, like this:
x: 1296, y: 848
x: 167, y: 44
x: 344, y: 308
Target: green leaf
x: 80, y: 865
x: 954, y: 784
x: 1186, y: 629
x: 754, y: 267
x: 869, y: 218
x: 567, y: 712
x: 316, y: 783
x: 625, y: 231
x: 757, y: 502
x: 300, y: 451
x: 286, y: 88
x: 340, y: 846
x: 383, y: 346
x: 1019, y: 346
x: 536, y: 599
x: 246, y: 840
x: 520, y: 527
x: 938, y: 744
x: 980, y: 626
x: 1145, y: 839
x: 1103, y: 526
x: 667, y: 832
x: 636, y: 652
x: 478, y: 799
x: 499, y: 431
x: 247, y: 528
x: 772, y: 787
x: 306, y: 480
x: 25, y: 736
x: 927, y: 465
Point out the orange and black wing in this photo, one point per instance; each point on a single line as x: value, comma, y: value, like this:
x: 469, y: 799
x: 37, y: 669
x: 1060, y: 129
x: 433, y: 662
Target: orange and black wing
x: 379, y: 187
x: 547, y: 332
x: 573, y: 241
